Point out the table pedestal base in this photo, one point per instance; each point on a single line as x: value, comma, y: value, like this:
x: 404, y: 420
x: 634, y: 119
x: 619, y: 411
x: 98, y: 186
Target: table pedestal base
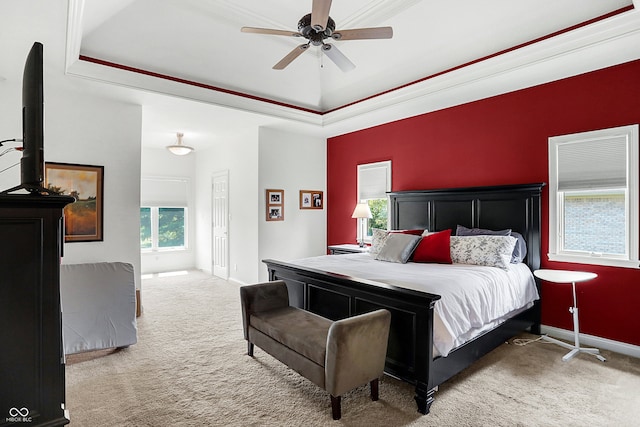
x: 561, y: 276
x: 574, y: 349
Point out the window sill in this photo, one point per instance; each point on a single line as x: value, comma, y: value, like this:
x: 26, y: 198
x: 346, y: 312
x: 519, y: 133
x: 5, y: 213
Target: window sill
x: 162, y: 250
x: 611, y: 262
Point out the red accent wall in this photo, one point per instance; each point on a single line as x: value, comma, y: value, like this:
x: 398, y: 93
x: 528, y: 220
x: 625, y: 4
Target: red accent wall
x: 503, y: 140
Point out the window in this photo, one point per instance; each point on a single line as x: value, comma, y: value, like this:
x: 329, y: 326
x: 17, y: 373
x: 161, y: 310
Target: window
x: 163, y: 228
x: 145, y: 228
x: 374, y: 181
x: 163, y: 214
x: 593, y: 197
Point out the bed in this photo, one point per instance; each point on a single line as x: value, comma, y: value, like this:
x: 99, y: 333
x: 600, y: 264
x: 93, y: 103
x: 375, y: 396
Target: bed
x: 410, y: 354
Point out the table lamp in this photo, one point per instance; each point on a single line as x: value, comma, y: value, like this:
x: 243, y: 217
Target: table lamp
x: 361, y: 212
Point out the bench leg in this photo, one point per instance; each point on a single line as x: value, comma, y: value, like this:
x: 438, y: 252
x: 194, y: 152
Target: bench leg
x: 335, y: 408
x: 250, y: 348
x: 374, y: 389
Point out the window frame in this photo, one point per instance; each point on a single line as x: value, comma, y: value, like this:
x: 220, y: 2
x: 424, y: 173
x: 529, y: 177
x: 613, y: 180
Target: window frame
x: 556, y: 200
x: 386, y: 164
x: 155, y: 226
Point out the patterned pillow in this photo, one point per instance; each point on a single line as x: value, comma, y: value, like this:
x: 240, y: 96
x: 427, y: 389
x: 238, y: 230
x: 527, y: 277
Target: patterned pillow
x: 491, y: 251
x: 377, y: 241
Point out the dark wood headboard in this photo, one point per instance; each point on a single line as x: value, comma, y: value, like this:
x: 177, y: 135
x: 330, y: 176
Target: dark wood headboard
x: 510, y: 206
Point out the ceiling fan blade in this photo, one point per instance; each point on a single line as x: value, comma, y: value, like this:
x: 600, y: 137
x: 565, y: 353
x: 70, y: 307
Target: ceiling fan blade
x: 270, y: 31
x: 364, y: 33
x: 320, y: 14
x: 338, y: 57
x: 291, y: 56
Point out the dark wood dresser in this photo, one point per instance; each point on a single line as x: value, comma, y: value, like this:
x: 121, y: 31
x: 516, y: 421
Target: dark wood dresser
x: 32, y: 382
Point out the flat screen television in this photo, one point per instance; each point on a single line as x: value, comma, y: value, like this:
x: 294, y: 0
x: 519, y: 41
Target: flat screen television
x: 32, y: 162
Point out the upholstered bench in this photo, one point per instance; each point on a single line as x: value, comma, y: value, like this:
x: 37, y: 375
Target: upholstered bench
x: 337, y: 356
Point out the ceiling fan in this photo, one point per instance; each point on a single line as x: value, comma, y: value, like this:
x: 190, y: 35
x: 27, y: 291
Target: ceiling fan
x: 317, y: 27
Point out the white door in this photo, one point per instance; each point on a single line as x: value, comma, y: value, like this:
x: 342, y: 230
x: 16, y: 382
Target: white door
x: 220, y: 224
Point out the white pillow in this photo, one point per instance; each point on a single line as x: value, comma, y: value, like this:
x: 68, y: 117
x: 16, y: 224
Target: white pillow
x: 491, y: 251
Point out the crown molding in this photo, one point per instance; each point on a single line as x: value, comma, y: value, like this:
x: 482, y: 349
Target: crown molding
x: 75, y: 10
x: 607, y: 42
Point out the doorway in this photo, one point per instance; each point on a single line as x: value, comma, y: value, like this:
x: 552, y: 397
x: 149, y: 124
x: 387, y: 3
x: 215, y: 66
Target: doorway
x: 220, y: 224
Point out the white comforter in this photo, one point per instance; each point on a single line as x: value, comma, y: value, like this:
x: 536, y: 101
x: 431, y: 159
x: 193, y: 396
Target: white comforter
x: 474, y: 298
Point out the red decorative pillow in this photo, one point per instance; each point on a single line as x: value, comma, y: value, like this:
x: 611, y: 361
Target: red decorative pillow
x: 434, y: 247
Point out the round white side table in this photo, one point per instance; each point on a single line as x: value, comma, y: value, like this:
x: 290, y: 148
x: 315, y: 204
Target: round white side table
x: 573, y: 277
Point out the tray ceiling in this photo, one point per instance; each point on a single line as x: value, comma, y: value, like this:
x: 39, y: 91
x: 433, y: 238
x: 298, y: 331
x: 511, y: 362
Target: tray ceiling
x: 199, y: 43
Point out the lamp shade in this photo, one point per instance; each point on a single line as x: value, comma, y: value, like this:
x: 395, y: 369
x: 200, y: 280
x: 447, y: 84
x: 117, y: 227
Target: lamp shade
x: 361, y: 211
x: 179, y: 149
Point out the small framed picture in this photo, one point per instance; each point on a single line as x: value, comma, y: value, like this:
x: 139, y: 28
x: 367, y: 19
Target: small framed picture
x: 305, y: 199
x: 275, y: 197
x: 275, y: 213
x: 311, y: 199
x: 275, y: 205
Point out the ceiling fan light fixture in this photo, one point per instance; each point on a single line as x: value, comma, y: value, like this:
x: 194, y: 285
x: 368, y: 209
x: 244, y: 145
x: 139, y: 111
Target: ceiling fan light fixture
x: 179, y: 149
x: 318, y: 26
x: 308, y: 31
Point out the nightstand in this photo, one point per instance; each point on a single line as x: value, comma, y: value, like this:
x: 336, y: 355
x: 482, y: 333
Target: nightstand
x: 347, y: 249
x: 564, y: 276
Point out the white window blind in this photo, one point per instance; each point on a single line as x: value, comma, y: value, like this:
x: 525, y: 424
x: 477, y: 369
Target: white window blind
x: 593, y: 164
x: 374, y: 180
x: 164, y: 191
x: 593, y: 197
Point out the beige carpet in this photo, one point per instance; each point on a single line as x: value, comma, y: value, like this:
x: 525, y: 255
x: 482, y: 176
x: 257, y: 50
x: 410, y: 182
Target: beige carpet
x: 190, y: 368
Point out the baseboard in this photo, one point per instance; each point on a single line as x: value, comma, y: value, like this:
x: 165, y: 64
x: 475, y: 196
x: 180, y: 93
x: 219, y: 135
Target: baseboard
x: 591, y: 340
x: 234, y: 280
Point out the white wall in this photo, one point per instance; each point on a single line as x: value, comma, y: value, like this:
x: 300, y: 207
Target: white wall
x: 160, y: 163
x: 292, y: 162
x: 239, y: 156
x: 88, y: 130
x: 258, y: 160
x: 10, y: 127
x: 79, y: 128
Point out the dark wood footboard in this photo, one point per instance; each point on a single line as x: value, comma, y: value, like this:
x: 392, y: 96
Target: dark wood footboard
x: 337, y: 296
x: 410, y: 350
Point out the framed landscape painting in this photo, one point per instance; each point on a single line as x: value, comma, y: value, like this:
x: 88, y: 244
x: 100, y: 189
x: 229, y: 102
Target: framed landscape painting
x: 82, y: 219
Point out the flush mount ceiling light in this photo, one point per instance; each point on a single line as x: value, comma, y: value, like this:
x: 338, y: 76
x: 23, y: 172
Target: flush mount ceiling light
x: 179, y: 149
